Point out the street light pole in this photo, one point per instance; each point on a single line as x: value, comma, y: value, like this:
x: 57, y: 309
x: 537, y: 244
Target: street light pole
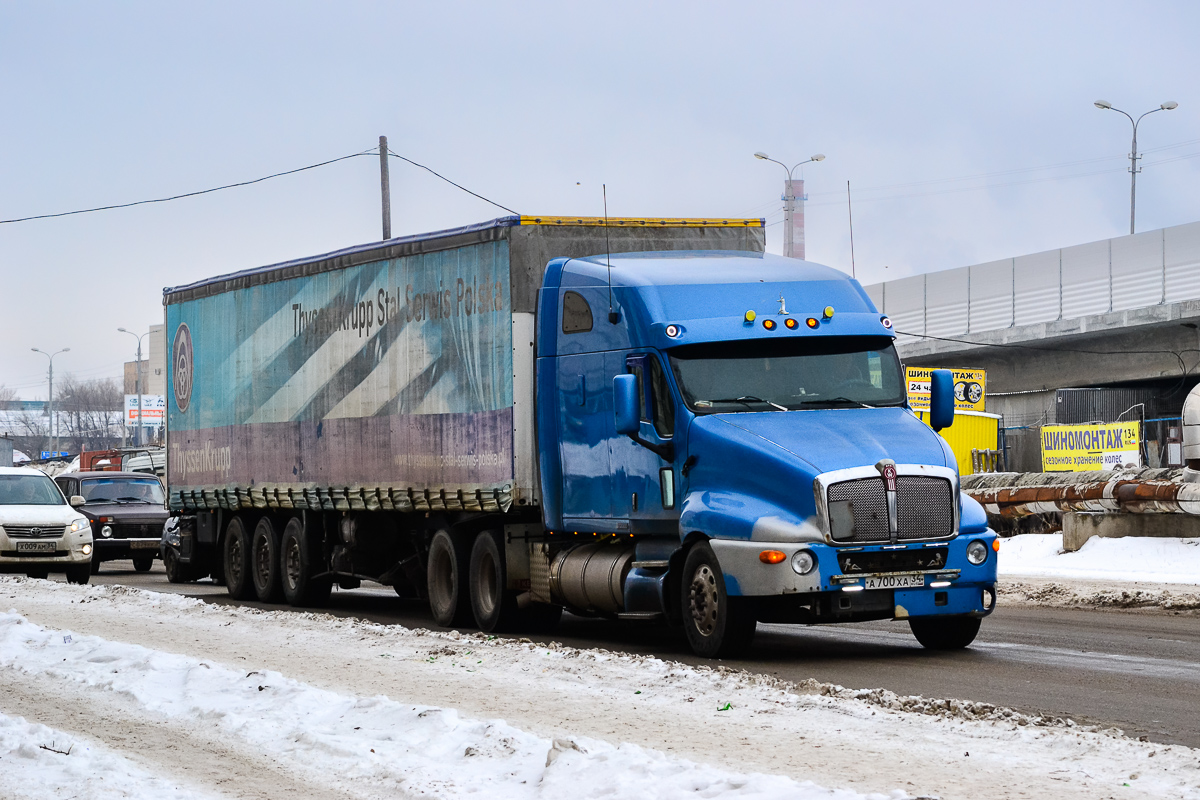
x: 137, y: 382
x: 50, y: 394
x: 789, y: 204
x: 1170, y: 105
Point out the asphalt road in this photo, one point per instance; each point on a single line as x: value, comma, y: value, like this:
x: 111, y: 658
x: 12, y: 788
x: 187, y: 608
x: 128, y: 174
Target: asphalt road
x: 1138, y: 671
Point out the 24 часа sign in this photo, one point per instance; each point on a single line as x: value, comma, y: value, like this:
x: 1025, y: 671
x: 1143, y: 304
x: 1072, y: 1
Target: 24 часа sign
x: 1081, y: 448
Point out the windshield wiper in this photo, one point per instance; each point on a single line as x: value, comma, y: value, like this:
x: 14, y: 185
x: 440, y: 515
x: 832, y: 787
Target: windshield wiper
x: 133, y: 500
x: 747, y: 399
x: 835, y: 401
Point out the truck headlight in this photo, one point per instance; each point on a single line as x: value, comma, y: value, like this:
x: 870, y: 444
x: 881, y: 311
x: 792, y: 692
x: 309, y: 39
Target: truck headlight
x: 79, y: 525
x: 977, y: 552
x: 803, y: 562
x: 106, y: 531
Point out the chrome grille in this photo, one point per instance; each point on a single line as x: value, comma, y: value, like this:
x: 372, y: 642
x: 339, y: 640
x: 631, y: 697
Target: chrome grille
x: 924, y: 507
x: 858, y: 511
x: 35, y: 531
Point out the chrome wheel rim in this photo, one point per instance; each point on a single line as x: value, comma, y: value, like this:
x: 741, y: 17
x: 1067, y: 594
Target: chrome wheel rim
x: 703, y: 601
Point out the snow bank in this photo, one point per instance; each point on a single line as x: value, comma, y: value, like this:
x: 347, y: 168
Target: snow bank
x: 374, y: 746
x: 40, y: 763
x: 1140, y: 559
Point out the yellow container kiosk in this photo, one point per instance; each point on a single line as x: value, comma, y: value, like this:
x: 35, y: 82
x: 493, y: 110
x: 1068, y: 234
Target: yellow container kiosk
x: 972, y: 430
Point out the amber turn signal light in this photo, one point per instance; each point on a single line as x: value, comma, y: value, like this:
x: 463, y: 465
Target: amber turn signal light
x: 996, y: 545
x: 771, y: 556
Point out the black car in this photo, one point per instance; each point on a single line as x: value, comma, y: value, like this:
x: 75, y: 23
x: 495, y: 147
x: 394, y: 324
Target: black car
x: 127, y: 511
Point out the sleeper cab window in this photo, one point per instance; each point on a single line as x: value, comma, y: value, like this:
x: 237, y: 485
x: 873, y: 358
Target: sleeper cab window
x: 577, y: 314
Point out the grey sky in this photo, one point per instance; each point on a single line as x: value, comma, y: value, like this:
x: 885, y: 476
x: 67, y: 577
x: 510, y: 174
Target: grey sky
x: 536, y: 105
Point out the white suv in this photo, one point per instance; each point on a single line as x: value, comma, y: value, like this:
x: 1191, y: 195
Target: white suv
x: 40, y: 531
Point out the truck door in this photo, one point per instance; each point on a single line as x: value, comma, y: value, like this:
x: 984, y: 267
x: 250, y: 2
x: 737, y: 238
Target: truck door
x: 586, y: 426
x: 641, y: 472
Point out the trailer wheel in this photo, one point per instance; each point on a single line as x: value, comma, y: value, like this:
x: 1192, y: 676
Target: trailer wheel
x: 299, y: 561
x: 446, y: 577
x: 265, y: 562
x: 236, y: 559
x: 716, y: 624
x: 494, y: 607
x: 944, y: 633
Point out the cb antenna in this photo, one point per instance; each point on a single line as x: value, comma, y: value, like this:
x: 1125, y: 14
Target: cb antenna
x: 613, y: 316
x: 850, y: 209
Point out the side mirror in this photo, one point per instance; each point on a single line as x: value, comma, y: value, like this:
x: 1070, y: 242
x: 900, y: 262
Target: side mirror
x: 77, y: 501
x: 941, y: 399
x: 625, y: 404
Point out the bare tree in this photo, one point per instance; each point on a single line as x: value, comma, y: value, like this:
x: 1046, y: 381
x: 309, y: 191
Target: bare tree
x: 89, y: 413
x: 7, y: 394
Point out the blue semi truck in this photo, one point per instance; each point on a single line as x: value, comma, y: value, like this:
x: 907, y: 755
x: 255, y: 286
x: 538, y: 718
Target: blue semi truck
x: 639, y: 419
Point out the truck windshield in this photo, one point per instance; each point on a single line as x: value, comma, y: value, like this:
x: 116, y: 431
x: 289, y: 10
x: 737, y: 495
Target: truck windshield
x: 792, y: 374
x: 29, y: 490
x: 122, y: 490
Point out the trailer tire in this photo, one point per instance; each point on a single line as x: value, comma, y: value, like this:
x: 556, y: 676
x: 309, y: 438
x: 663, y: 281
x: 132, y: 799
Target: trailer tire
x: 447, y: 579
x: 717, y: 625
x: 265, y: 562
x: 299, y: 561
x: 235, y: 558
x: 494, y: 606
x: 945, y: 633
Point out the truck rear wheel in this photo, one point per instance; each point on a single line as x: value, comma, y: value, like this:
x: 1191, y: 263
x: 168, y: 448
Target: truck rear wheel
x: 494, y: 607
x: 299, y: 561
x: 446, y: 578
x: 265, y: 562
x: 235, y: 555
x: 716, y: 624
x: 945, y: 633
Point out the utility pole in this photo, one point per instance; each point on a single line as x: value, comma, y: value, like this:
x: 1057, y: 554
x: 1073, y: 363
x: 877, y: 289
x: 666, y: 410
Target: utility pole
x: 1104, y: 105
x: 137, y: 383
x: 50, y: 395
x: 385, y: 188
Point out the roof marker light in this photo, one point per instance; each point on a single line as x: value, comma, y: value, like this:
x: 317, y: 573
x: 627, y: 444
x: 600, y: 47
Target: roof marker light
x: 887, y: 323
x: 769, y: 324
x: 790, y: 323
x: 750, y: 315
x: 672, y: 331
x: 811, y: 322
x: 828, y: 312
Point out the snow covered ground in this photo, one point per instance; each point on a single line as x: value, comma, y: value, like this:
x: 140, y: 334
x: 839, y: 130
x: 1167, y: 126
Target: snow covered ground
x: 155, y: 695
x: 1141, y: 559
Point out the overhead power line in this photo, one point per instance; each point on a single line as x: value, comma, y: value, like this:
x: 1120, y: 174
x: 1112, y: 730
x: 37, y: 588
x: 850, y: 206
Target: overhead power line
x: 186, y: 194
x: 370, y: 152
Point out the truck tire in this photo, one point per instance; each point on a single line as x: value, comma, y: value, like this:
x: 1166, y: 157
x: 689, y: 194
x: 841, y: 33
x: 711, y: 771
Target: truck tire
x: 143, y: 564
x: 494, y: 606
x: 299, y: 561
x: 79, y: 573
x: 177, y: 572
x: 717, y: 625
x: 447, y: 579
x: 265, y: 562
x: 944, y: 633
x: 235, y: 556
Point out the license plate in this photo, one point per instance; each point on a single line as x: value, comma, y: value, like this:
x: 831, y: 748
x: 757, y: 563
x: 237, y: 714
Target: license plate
x: 144, y: 544
x: 895, y: 581
x: 36, y: 547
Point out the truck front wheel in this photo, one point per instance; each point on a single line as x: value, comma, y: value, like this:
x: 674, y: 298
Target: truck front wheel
x: 716, y: 624
x: 235, y: 555
x: 265, y: 562
x: 299, y: 562
x: 944, y: 633
x: 447, y: 579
